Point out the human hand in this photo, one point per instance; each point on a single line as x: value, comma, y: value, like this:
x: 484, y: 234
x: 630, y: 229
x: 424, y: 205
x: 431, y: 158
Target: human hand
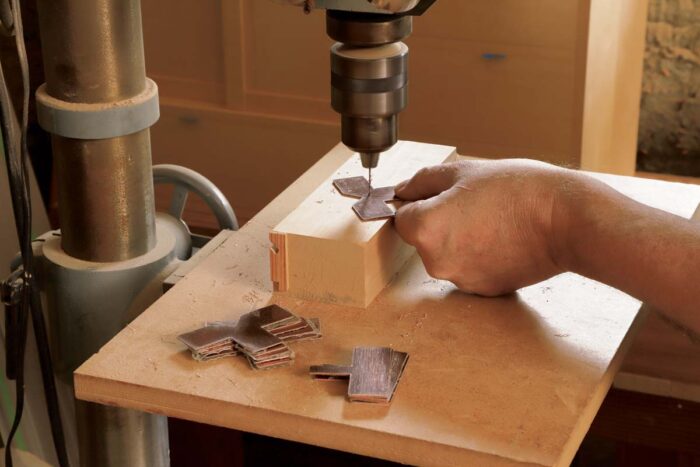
x: 490, y: 227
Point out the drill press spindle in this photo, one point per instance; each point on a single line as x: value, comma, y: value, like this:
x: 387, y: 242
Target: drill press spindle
x: 369, y: 78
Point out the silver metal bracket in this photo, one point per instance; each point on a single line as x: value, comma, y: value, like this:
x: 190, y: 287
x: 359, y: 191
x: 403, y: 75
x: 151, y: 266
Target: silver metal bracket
x: 11, y: 288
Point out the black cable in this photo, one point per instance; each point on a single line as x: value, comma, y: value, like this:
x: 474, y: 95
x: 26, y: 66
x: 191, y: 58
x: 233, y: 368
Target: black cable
x: 17, y: 157
x: 11, y: 140
x: 19, y: 382
x: 40, y: 334
x: 19, y: 201
x: 47, y: 376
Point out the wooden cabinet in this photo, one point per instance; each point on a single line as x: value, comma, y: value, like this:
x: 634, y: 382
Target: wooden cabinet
x: 245, y: 86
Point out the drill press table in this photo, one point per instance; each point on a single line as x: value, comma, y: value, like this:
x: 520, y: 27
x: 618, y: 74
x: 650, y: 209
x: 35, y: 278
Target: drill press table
x: 504, y: 381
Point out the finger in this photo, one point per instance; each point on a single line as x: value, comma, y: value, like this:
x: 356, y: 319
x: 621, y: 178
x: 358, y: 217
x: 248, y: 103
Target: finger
x: 410, y: 221
x: 413, y: 220
x: 413, y: 224
x: 421, y: 226
x: 427, y: 182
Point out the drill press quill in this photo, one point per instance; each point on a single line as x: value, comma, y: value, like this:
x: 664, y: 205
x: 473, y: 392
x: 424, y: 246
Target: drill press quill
x: 369, y: 71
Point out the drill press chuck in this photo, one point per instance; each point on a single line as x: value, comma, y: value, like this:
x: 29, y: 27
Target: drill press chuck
x: 369, y: 79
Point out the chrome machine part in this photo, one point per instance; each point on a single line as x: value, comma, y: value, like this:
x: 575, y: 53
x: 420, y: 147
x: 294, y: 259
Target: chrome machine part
x: 83, y: 320
x: 369, y: 78
x: 106, y: 203
x: 109, y: 263
x: 185, y: 181
x: 367, y: 29
x: 369, y: 69
x: 107, y: 443
x: 87, y: 304
x: 369, y: 89
x: 93, y: 54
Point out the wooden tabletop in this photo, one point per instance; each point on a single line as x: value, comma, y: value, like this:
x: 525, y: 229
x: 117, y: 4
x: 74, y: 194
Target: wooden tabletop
x: 514, y: 380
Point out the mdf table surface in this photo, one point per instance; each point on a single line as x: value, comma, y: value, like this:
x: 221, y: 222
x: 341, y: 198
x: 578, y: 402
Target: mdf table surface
x: 501, y: 381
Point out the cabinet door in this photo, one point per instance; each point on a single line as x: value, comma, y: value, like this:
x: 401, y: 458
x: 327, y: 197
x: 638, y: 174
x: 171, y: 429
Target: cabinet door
x: 494, y: 100
x: 243, y: 86
x: 498, y: 78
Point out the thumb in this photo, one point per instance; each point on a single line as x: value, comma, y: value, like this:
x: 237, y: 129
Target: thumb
x: 427, y: 182
x: 414, y: 221
x: 409, y: 221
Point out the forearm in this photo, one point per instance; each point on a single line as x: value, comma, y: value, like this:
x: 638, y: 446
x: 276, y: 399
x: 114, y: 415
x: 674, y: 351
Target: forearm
x: 648, y: 253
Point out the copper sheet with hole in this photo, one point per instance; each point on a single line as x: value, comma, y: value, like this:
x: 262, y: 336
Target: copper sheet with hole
x: 373, y: 203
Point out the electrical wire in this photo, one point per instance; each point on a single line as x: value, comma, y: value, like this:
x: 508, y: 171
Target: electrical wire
x: 17, y: 157
x: 19, y: 206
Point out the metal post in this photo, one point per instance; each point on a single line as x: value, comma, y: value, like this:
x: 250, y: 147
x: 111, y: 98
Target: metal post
x: 93, y: 53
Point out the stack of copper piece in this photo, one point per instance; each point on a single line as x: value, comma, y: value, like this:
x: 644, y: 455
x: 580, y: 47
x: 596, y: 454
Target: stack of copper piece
x: 261, y: 335
x: 373, y: 375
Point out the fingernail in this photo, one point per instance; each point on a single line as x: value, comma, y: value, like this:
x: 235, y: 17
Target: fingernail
x: 401, y: 186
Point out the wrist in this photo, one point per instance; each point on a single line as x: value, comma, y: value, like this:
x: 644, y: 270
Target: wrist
x: 577, y: 201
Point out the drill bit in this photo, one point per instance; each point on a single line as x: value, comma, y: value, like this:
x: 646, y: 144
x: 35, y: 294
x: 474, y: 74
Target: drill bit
x: 369, y: 193
x: 369, y: 161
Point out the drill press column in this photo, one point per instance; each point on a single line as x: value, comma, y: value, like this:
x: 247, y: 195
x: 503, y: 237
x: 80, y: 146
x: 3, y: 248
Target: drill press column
x: 369, y: 78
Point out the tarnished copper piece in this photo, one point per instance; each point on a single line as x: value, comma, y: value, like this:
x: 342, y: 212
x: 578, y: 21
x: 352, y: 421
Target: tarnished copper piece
x: 373, y: 376
x: 373, y: 201
x: 261, y: 335
x: 330, y: 372
x: 273, y: 316
x: 251, y: 338
x: 372, y: 209
x: 354, y: 187
x: 210, y: 342
x: 385, y: 193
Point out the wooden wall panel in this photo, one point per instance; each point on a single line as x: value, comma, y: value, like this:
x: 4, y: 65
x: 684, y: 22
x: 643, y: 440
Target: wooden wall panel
x: 288, y: 51
x: 276, y: 60
x: 530, y: 23
x: 495, y: 78
x: 251, y: 158
x: 460, y: 98
x: 184, y: 50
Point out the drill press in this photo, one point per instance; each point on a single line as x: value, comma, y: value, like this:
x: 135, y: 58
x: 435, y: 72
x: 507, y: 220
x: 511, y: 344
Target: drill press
x: 369, y: 73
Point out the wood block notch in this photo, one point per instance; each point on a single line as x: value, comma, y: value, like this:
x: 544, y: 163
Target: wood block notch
x: 321, y: 251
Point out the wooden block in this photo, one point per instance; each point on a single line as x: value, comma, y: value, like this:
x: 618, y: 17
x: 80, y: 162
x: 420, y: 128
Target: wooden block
x: 321, y: 251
